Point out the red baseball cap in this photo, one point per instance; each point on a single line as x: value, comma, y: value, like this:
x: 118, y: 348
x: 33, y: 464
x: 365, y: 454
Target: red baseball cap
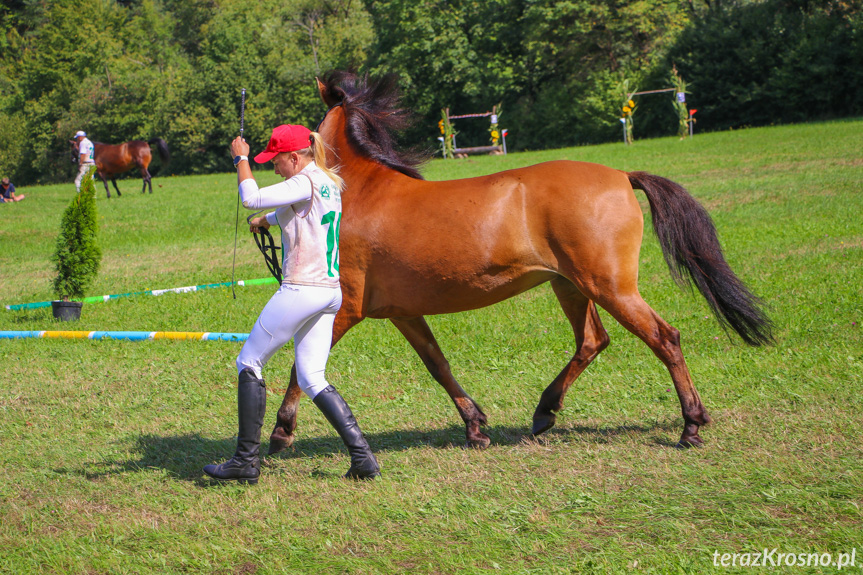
x: 285, y: 138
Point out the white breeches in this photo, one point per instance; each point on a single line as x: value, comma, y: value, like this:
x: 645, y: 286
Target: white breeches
x: 82, y: 171
x: 305, y: 313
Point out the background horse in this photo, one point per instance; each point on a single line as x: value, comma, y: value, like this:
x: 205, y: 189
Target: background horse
x: 409, y: 248
x: 114, y: 159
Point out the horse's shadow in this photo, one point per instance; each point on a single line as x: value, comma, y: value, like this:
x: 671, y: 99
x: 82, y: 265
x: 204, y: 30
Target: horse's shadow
x: 183, y: 456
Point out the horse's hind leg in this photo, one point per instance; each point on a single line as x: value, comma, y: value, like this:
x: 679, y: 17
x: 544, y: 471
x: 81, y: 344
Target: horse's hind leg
x: 420, y: 336
x: 590, y: 339
x: 664, y: 340
x: 113, y: 181
x: 148, y: 180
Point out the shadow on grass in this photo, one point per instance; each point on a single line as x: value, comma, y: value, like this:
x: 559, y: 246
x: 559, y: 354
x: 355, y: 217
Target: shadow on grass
x: 184, y: 456
x: 39, y: 315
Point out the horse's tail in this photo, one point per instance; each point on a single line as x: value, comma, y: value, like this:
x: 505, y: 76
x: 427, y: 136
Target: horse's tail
x: 689, y: 242
x: 162, y: 147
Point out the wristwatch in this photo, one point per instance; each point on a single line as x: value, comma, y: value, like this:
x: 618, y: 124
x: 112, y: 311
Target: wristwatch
x: 238, y: 159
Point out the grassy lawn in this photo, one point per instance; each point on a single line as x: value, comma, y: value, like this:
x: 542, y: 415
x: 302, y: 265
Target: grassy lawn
x: 103, y: 441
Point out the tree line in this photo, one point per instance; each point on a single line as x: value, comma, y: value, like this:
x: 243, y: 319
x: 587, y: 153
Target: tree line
x: 558, y: 69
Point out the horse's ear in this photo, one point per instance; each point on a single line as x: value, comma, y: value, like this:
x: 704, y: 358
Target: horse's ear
x: 325, y: 94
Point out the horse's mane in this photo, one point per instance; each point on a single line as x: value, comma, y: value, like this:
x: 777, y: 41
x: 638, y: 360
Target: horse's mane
x: 373, y: 119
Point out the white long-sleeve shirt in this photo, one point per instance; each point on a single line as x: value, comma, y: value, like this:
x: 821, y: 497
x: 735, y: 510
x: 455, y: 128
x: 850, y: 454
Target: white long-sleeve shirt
x: 308, y: 212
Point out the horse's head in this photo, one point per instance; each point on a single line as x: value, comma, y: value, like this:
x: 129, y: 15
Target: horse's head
x: 368, y: 114
x: 75, y: 154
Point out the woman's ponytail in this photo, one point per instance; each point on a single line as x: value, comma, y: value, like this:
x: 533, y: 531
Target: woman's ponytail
x: 319, y: 156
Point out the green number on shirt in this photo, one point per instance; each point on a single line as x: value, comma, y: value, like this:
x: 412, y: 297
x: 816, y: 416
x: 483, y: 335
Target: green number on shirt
x: 332, y: 241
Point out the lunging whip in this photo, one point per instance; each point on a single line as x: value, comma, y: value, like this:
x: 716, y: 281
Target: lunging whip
x: 237, y: 218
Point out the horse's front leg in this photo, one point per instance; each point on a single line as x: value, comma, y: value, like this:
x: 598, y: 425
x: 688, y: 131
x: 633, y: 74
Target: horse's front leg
x: 113, y: 181
x: 282, y: 436
x: 420, y: 336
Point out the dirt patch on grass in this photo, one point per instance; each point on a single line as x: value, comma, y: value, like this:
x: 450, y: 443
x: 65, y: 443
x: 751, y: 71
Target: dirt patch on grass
x: 246, y: 568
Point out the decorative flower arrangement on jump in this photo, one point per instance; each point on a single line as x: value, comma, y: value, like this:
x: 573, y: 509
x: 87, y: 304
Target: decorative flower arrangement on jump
x: 628, y: 108
x: 679, y: 103
x: 493, y: 130
x: 448, y: 133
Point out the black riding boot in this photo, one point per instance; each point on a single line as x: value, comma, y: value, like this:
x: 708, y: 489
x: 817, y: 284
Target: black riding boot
x: 245, y: 466
x: 363, y: 462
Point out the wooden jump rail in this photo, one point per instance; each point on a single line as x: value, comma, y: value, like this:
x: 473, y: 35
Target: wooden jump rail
x: 478, y: 150
x: 462, y: 116
x: 652, y: 92
x: 448, y: 139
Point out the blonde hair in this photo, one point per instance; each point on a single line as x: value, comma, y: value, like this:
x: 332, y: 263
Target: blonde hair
x: 317, y: 151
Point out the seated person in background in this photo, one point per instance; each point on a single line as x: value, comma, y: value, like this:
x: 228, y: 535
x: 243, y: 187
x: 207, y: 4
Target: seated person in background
x: 7, y: 192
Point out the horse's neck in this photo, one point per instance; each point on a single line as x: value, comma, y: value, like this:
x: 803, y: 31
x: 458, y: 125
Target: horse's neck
x: 367, y: 177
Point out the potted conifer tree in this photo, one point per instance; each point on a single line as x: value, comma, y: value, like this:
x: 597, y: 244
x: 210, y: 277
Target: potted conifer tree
x: 77, y: 256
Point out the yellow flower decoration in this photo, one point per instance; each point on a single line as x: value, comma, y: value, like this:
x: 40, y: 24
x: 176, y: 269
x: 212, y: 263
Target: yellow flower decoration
x: 494, y: 134
x: 631, y: 104
x: 440, y: 125
x: 627, y: 110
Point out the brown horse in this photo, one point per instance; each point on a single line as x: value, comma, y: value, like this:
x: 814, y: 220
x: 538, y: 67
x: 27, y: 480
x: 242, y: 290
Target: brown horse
x: 409, y: 248
x: 114, y: 159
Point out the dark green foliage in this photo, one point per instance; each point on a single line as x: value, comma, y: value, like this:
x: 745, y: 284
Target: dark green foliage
x: 77, y: 256
x: 163, y: 68
x: 773, y: 62
x: 553, y: 64
x: 174, y: 69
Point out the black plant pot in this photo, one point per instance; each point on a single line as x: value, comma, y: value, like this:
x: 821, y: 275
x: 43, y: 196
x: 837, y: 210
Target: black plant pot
x: 67, y: 310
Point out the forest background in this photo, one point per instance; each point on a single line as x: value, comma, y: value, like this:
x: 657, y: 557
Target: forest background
x: 139, y: 69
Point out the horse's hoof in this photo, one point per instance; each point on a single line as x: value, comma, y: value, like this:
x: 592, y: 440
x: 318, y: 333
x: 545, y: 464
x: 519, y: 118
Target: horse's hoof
x: 686, y: 443
x: 478, y: 442
x: 542, y: 423
x: 280, y: 442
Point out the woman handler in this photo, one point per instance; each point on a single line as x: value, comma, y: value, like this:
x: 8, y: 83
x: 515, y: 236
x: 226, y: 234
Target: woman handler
x: 308, y: 209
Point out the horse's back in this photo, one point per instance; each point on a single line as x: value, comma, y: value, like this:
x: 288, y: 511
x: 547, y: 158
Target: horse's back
x: 552, y: 196
x: 569, y: 179
x: 559, y: 181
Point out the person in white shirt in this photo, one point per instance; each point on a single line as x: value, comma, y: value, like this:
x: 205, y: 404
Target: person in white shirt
x: 86, y: 157
x: 308, y: 210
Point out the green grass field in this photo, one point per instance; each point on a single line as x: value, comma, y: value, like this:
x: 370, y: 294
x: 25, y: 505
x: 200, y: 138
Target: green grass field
x: 103, y: 441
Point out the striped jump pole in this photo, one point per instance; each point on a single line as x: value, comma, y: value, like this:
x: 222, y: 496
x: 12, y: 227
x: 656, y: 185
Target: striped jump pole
x: 127, y: 335
x: 186, y: 289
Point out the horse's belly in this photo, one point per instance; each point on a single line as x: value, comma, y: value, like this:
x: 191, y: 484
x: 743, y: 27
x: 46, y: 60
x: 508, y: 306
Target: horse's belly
x: 397, y: 296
